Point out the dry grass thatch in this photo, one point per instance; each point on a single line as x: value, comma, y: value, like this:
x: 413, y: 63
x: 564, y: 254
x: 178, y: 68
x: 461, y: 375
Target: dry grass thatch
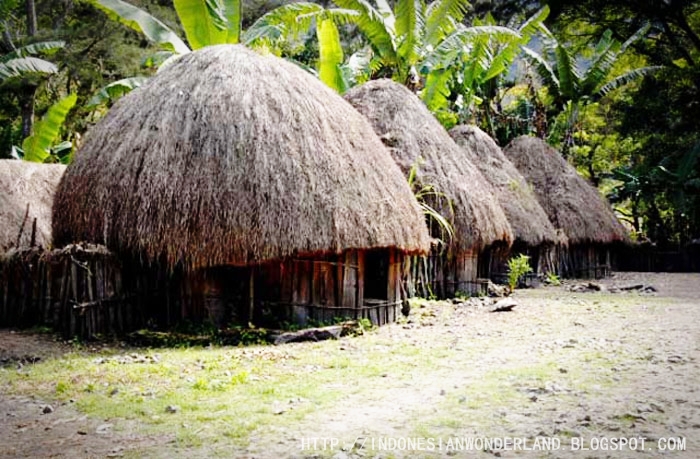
x: 26, y: 195
x: 411, y: 132
x: 530, y: 223
x: 230, y: 157
x: 573, y: 205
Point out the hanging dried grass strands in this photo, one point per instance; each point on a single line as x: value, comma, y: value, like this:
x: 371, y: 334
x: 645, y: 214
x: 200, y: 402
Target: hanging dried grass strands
x: 574, y: 207
x: 26, y: 196
x: 415, y: 137
x: 533, y: 232
x: 232, y: 159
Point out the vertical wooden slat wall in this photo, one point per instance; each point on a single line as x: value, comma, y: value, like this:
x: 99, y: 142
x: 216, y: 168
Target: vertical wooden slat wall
x: 77, y: 291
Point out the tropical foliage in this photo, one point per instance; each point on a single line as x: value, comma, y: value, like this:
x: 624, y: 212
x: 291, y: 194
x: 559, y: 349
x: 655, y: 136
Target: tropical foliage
x: 614, y: 85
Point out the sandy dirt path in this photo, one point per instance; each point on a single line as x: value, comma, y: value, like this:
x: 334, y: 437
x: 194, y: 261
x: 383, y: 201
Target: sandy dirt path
x: 580, y: 370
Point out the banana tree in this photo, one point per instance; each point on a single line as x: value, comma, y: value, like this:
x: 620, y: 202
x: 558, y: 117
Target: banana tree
x: 572, y: 87
x: 289, y: 22
x: 24, y: 71
x: 206, y: 22
x: 474, y: 71
x: 41, y: 146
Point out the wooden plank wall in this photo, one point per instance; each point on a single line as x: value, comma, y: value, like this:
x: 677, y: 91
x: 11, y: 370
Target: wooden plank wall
x: 442, y: 275
x: 77, y: 291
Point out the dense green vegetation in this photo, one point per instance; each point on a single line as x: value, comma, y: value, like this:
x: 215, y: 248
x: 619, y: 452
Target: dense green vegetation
x: 614, y: 85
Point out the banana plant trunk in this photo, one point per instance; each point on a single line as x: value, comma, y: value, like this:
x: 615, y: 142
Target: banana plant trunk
x: 28, y: 96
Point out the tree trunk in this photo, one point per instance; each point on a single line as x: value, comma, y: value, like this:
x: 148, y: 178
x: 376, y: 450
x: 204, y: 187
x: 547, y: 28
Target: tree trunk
x: 31, y: 18
x: 28, y: 94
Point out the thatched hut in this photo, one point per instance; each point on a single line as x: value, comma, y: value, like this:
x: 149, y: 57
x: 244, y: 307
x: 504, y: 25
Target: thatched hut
x: 250, y: 190
x: 533, y: 232
x: 416, y: 138
x: 26, y: 195
x: 573, y: 205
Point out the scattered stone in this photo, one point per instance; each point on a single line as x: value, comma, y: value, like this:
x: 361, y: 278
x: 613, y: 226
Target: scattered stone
x: 644, y: 409
x: 675, y: 359
x: 82, y: 432
x: 496, y: 290
x: 563, y: 370
x: 47, y: 409
x: 588, y: 287
x: 278, y: 411
x: 504, y: 305
x: 172, y: 409
x: 316, y: 334
x: 657, y: 407
x: 103, y: 429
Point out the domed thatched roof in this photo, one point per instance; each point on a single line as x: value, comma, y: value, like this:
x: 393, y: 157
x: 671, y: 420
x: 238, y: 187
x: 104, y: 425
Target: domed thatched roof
x: 406, y: 125
x: 26, y: 194
x: 527, y: 218
x: 230, y: 157
x: 573, y: 205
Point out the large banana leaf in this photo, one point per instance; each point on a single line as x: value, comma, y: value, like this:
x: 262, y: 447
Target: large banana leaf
x: 114, y: 91
x: 534, y: 24
x: 331, y: 55
x: 232, y: 9
x: 374, y: 27
x: 24, y: 67
x: 45, y: 47
x: 566, y: 71
x: 281, y: 22
x: 38, y: 145
x: 627, y: 78
x: 209, y: 22
x: 543, y: 68
x: 142, y: 22
x: 410, y: 22
x: 436, y: 90
x: 437, y: 25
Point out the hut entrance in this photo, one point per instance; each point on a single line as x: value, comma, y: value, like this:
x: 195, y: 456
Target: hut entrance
x: 376, y: 275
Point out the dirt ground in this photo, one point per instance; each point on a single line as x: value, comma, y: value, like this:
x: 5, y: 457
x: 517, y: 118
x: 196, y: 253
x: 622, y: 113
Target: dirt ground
x: 582, y: 370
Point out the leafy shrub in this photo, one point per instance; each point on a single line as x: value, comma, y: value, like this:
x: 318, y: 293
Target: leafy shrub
x: 517, y: 268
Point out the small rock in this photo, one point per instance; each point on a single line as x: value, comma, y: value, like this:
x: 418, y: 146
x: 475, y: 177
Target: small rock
x: 82, y: 432
x: 504, y: 305
x: 47, y: 409
x: 563, y: 370
x: 496, y: 290
x: 103, y: 429
x: 279, y: 411
x: 644, y: 409
x: 172, y: 409
x: 442, y: 391
x: 657, y: 407
x: 675, y: 359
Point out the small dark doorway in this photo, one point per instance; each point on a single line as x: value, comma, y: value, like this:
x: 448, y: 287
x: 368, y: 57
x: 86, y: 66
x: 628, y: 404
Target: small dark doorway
x: 377, y: 274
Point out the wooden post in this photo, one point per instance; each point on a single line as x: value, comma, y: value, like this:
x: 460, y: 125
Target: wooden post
x: 251, y: 297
